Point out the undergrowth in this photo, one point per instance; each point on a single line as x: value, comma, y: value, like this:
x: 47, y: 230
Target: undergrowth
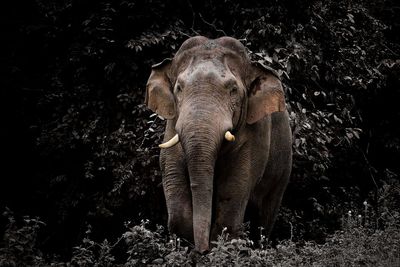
x: 368, y: 237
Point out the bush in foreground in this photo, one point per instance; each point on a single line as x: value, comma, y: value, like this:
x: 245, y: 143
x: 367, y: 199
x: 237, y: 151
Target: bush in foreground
x: 359, y: 243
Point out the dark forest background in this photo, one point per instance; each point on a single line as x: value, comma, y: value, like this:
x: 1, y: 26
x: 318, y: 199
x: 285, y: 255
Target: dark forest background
x: 79, y: 148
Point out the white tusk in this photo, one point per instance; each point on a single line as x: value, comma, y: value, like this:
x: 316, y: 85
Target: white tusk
x: 173, y: 141
x: 230, y: 137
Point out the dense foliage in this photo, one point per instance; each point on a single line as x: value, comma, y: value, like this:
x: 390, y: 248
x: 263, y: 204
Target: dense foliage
x: 80, y: 149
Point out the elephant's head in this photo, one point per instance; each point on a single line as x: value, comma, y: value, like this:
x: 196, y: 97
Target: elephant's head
x: 210, y: 89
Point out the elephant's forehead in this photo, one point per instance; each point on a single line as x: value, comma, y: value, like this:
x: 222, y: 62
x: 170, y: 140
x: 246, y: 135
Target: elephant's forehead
x: 196, y: 54
x: 209, y: 61
x: 210, y: 69
x: 209, y: 51
x: 199, y: 43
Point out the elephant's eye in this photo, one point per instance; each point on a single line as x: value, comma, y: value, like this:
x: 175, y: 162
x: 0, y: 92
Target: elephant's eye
x: 233, y: 90
x: 178, y: 88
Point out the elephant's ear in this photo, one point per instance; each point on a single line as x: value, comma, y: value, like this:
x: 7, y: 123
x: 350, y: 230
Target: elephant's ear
x: 159, y: 96
x: 265, y: 93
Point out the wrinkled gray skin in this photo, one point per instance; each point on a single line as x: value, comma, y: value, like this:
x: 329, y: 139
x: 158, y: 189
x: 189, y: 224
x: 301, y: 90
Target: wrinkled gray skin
x: 209, y: 87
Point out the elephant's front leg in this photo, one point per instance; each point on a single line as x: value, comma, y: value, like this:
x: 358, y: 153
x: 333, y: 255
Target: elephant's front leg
x: 177, y: 192
x: 235, y: 180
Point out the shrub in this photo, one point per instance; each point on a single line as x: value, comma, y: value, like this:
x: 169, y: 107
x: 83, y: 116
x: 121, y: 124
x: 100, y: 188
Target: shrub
x: 19, y: 245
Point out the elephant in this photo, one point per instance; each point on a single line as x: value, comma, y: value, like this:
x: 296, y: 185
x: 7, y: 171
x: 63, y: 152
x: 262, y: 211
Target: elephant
x: 227, y: 142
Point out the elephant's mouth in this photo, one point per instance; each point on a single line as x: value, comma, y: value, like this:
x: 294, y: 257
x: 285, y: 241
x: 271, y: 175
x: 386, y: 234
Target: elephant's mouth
x: 175, y: 140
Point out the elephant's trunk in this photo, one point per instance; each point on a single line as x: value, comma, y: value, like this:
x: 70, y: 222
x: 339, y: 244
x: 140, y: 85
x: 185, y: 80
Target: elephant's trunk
x: 201, y: 160
x: 201, y: 135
